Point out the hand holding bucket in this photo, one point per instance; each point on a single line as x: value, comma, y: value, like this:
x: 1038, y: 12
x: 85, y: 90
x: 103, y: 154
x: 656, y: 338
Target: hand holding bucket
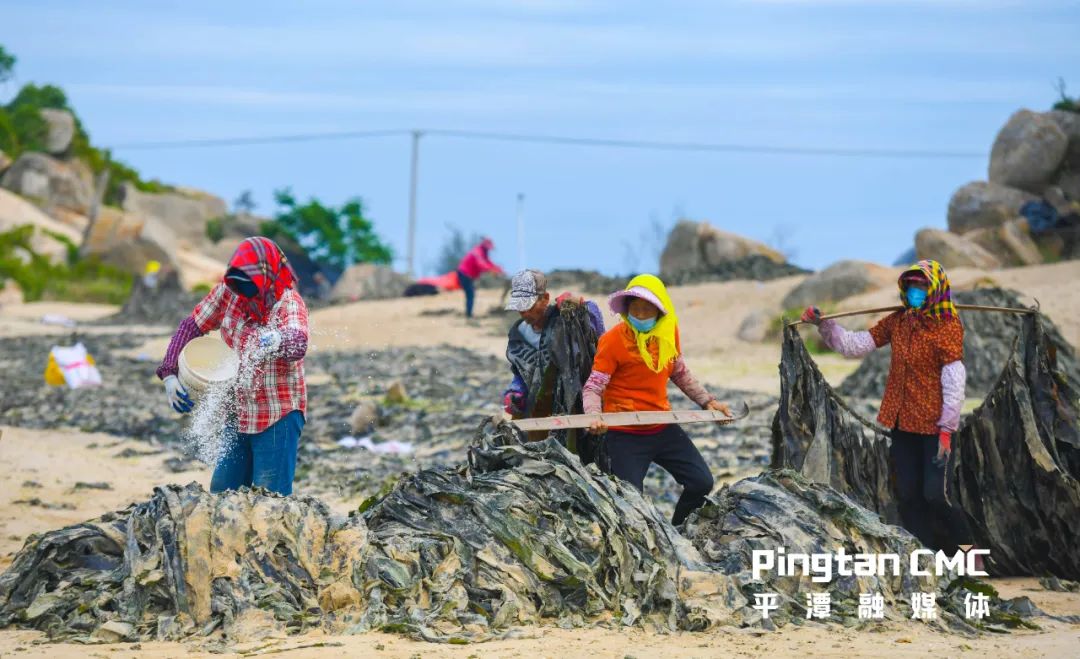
x: 205, y: 363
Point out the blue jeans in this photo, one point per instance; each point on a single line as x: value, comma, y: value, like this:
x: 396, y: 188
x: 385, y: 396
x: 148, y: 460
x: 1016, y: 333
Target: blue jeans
x: 470, y: 292
x: 266, y: 459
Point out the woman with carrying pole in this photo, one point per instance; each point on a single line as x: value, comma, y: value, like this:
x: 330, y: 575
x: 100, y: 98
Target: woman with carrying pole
x: 923, y: 395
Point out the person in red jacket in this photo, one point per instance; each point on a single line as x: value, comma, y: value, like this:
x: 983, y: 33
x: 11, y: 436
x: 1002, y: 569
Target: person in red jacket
x: 476, y: 262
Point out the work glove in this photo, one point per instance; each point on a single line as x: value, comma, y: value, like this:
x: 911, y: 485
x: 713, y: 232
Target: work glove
x: 269, y: 340
x: 514, y: 402
x: 812, y: 315
x: 561, y: 301
x: 177, y: 395
x: 944, y: 447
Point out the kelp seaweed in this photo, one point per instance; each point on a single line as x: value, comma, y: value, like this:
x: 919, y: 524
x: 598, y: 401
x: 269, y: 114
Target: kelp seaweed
x: 818, y: 435
x: 1017, y: 467
x: 522, y: 534
x: 1016, y: 458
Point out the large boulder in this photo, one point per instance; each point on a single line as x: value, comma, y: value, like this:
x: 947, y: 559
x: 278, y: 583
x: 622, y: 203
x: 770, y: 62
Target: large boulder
x: 755, y: 326
x: 1011, y: 243
x: 113, y: 228
x: 839, y: 281
x: 117, y: 239
x: 953, y: 251
x: 184, y: 212
x: 51, y: 181
x: 130, y: 240
x: 16, y: 211
x: 1069, y: 123
x: 134, y: 255
x: 1069, y: 183
x: 367, y: 281
x: 980, y: 204
x: 61, y: 125
x: 698, y: 251
x: 1028, y: 151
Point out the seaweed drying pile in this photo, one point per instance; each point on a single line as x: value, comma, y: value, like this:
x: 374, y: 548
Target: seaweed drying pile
x: 521, y: 534
x: 1016, y: 458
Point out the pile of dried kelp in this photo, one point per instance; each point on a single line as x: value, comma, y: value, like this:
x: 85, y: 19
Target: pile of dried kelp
x: 816, y: 434
x: 1017, y: 467
x: 1016, y: 458
x: 521, y: 534
x: 784, y: 509
x: 988, y: 342
x: 524, y: 533
x: 781, y: 509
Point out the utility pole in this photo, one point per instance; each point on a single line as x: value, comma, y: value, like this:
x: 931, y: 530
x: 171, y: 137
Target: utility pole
x: 521, y: 230
x: 413, y: 174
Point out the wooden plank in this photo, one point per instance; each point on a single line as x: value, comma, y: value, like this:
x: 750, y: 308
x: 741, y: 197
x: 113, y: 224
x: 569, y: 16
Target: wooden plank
x: 629, y: 419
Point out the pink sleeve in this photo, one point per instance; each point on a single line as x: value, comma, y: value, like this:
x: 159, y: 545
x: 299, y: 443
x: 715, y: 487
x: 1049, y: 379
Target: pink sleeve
x: 187, y: 331
x: 689, y: 385
x: 953, y: 383
x: 592, y: 394
x: 849, y: 344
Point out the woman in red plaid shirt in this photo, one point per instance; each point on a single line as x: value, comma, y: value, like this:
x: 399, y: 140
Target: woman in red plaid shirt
x: 263, y: 318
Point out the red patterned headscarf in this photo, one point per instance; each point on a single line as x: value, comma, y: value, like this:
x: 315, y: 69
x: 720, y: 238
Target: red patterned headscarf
x: 265, y: 264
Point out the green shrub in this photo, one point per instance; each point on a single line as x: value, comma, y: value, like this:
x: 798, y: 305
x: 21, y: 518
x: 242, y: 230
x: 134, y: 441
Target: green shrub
x: 336, y: 237
x: 1065, y: 102
x: 215, y: 229
x: 31, y: 131
x: 9, y: 139
x: 201, y: 289
x: 78, y: 280
x: 23, y: 129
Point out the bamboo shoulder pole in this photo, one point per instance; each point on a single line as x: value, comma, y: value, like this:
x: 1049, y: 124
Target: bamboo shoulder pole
x: 962, y: 307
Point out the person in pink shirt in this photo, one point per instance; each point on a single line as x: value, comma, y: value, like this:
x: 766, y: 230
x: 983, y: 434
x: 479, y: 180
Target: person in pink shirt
x: 476, y: 262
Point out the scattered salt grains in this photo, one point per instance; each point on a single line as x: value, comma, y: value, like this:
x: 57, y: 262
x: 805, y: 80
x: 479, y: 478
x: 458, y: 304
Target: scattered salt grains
x: 213, y: 419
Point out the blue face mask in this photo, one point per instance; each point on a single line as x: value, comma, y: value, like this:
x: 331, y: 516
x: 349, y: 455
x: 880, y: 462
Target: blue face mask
x: 915, y: 297
x: 642, y: 325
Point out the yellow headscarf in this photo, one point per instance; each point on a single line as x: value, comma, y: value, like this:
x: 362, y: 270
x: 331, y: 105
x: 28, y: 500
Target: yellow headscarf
x: 939, y: 302
x: 665, y: 328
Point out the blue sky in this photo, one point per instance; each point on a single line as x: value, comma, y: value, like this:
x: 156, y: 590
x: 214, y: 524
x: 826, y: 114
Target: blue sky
x: 914, y: 74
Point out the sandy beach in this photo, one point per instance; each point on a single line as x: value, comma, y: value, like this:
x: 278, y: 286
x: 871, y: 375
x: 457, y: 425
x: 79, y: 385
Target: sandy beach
x: 59, y: 469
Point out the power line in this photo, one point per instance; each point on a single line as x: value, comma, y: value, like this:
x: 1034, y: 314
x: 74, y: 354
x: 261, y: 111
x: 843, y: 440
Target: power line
x: 702, y: 146
x: 870, y: 152
x: 270, y: 139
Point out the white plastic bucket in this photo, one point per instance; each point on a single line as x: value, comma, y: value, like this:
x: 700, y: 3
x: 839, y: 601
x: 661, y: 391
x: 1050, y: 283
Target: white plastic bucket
x: 206, y: 362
